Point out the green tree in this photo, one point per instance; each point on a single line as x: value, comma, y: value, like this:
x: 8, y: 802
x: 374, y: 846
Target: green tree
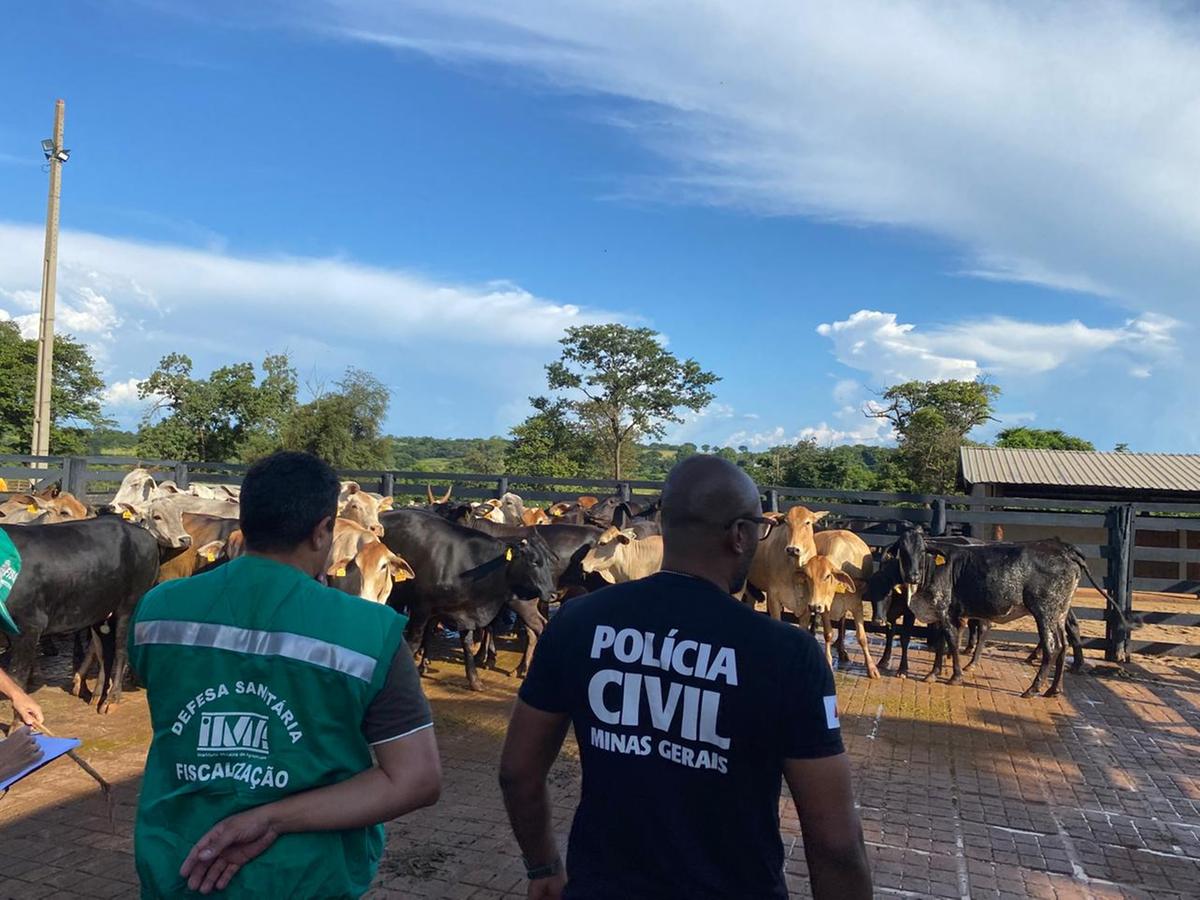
x: 549, y: 443
x: 486, y: 456
x: 225, y: 417
x: 344, y: 427
x: 932, y: 420
x: 75, y: 396
x: 1023, y: 438
x: 1121, y: 448
x: 631, y: 385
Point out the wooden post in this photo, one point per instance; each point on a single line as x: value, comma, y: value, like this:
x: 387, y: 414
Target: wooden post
x: 772, y: 500
x: 625, y: 491
x: 75, y: 480
x: 387, y: 484
x: 181, y: 475
x: 501, y: 486
x: 937, y: 524
x: 1119, y: 582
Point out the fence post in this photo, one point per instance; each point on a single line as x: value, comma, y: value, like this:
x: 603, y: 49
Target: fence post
x: 501, y: 486
x: 625, y: 491
x: 75, y: 478
x: 181, y: 475
x: 1120, y: 524
x: 387, y: 484
x: 772, y: 500
x: 937, y: 523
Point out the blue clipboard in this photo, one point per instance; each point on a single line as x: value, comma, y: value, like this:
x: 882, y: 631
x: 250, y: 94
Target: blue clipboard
x: 52, y: 749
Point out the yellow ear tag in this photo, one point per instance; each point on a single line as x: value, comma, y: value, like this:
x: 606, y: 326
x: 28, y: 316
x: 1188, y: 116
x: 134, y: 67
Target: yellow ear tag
x: 126, y: 515
x: 508, y: 554
x: 841, y: 588
x: 399, y: 576
x: 341, y: 573
x: 211, y: 556
x: 939, y: 560
x: 32, y: 507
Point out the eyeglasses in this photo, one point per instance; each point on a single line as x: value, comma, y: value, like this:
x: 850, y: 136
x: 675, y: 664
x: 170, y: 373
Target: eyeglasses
x: 764, y: 524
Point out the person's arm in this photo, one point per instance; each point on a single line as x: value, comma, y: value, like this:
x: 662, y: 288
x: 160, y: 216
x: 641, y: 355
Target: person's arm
x: 408, y: 777
x: 24, y: 706
x: 530, y: 748
x: 833, y: 840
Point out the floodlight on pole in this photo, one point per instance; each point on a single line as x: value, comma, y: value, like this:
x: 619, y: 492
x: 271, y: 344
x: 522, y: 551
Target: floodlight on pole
x: 56, y: 155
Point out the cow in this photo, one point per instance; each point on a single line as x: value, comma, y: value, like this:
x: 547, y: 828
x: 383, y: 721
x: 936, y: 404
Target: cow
x: 466, y: 577
x: 208, y: 539
x: 618, y: 556
x: 781, y: 555
x: 361, y: 565
x: 73, y: 576
x: 363, y: 508
x: 44, y: 508
x: 534, y: 516
x: 628, y: 514
x: 996, y: 582
x: 163, y: 518
x: 834, y: 580
x: 137, y: 489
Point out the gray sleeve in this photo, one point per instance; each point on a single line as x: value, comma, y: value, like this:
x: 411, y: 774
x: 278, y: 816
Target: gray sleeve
x: 400, y: 707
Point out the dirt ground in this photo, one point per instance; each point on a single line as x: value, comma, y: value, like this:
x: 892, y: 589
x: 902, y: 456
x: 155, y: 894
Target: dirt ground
x: 964, y: 791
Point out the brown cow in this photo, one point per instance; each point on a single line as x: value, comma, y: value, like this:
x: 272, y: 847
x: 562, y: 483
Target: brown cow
x: 535, y: 517
x: 363, y: 508
x: 51, y: 505
x: 361, y: 565
x: 210, y: 537
x: 781, y: 556
x: 618, y: 557
x: 834, y: 581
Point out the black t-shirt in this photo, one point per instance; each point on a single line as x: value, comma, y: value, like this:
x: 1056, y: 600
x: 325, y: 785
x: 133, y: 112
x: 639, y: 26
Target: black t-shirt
x: 685, y: 704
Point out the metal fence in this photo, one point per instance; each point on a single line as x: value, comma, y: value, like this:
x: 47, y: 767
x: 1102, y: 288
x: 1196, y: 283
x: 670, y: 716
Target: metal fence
x: 1107, y: 535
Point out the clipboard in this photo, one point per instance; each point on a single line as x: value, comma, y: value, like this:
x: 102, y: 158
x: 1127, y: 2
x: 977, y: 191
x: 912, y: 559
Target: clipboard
x: 52, y: 748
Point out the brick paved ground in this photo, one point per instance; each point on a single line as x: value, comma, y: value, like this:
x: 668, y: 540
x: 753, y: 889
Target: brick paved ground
x: 965, y: 792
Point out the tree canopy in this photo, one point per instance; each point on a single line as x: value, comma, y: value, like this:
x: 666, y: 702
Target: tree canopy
x: 75, y: 398
x: 1022, y: 438
x: 344, y: 427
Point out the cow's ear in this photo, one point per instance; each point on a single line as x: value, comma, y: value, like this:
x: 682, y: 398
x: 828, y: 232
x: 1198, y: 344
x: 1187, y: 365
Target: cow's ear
x: 845, y: 583
x: 386, y: 502
x: 210, y: 551
x: 401, y: 570
x: 337, y: 569
x: 625, y: 537
x: 524, y: 543
x: 128, y: 512
x: 818, y: 516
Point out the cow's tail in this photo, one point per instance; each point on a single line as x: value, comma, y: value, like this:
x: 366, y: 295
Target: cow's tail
x: 1077, y: 555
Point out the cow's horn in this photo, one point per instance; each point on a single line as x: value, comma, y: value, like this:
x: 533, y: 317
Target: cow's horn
x: 429, y: 493
x: 446, y: 496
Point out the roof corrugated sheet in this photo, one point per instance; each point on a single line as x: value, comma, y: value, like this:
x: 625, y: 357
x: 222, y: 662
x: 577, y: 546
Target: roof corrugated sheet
x: 1081, y: 468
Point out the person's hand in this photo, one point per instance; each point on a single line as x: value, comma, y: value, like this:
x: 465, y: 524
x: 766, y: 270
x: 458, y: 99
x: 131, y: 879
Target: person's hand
x: 228, y: 846
x: 26, y: 709
x: 18, y: 751
x: 548, y: 888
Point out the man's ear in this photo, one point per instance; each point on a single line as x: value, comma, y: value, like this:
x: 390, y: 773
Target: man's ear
x: 322, y: 535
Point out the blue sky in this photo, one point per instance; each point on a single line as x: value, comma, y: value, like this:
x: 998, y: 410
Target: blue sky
x: 812, y: 201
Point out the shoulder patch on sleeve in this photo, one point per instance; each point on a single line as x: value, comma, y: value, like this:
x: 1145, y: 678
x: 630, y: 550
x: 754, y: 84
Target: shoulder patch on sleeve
x: 831, y: 712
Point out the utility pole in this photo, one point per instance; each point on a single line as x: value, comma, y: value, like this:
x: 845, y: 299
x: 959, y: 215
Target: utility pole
x: 56, y: 155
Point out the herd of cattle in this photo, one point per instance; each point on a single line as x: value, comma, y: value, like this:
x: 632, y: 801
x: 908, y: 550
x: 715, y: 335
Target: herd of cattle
x: 460, y: 564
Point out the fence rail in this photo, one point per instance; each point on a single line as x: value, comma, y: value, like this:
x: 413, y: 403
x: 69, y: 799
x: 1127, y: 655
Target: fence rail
x: 877, y: 516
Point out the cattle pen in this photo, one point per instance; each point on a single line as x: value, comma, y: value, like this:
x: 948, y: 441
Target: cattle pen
x: 1125, y: 544
x: 964, y: 791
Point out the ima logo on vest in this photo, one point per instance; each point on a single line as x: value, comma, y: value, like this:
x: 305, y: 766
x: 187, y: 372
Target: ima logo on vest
x: 233, y: 732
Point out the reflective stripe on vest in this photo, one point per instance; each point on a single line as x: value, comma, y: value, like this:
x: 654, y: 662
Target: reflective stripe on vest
x: 257, y: 643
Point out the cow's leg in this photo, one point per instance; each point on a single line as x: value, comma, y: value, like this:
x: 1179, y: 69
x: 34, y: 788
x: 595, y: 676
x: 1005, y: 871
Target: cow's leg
x: 481, y: 653
x: 775, y: 600
x: 979, y: 636
x: 83, y: 663
x: 418, y: 635
x: 116, y: 681
x: 843, y: 656
x: 1060, y: 658
x: 827, y: 630
x: 473, y: 678
x: 527, y: 657
x: 937, y: 639
x: 886, y: 658
x: 1072, y: 627
x: 24, y: 650
x: 1046, y: 641
x: 861, y: 633
x: 905, y: 636
x: 953, y: 629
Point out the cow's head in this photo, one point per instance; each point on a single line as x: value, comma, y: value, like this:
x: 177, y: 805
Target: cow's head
x: 67, y: 507
x: 363, y: 509
x: 601, y: 513
x: 371, y: 574
x: 826, y: 580
x: 798, y: 525
x: 162, y: 518
x: 530, y: 563
x: 136, y: 490
x: 883, y: 589
x: 608, y: 551
x: 535, y: 517
x: 512, y: 508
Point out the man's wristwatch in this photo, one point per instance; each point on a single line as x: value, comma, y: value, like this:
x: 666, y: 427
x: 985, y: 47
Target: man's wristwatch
x: 551, y: 868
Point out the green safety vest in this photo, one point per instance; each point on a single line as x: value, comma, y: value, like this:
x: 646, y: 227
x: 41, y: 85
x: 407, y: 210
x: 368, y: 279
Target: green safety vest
x: 258, y: 680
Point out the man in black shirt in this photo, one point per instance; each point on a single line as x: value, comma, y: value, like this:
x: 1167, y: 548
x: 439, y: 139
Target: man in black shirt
x: 689, y: 708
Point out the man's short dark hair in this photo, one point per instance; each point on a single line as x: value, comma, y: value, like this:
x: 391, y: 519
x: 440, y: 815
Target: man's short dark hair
x: 284, y: 497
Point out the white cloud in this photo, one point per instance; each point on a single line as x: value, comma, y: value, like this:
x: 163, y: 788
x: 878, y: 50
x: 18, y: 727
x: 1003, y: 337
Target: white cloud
x: 1056, y: 143
x: 889, y: 350
x: 133, y: 302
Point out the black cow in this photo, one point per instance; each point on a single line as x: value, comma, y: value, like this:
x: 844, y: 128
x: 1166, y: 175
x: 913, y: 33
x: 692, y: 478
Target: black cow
x: 631, y: 513
x: 73, y: 576
x: 465, y: 576
x: 995, y: 582
x: 603, y: 513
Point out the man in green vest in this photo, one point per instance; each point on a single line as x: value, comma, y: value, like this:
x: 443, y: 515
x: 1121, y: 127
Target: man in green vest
x: 269, y: 693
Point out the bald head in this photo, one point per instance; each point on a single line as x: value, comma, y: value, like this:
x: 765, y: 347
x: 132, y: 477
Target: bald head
x: 707, y: 492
